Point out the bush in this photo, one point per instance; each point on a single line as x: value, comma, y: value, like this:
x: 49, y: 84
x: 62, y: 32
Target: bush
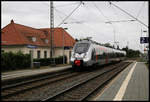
x: 11, y: 61
x: 48, y: 61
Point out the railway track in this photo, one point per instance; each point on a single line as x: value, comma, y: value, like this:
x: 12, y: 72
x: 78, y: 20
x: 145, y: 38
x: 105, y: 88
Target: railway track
x: 81, y: 91
x: 16, y: 88
x: 71, y: 86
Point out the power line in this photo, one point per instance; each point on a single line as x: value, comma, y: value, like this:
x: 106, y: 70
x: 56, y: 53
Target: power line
x: 128, y: 14
x: 76, y: 21
x: 64, y: 14
x: 120, y: 21
x: 108, y: 21
x: 101, y: 12
x: 70, y: 14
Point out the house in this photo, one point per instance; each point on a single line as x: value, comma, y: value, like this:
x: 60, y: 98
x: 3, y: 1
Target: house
x: 17, y: 37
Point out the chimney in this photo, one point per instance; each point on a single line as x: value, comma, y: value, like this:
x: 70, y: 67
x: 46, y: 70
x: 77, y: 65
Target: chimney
x: 12, y: 21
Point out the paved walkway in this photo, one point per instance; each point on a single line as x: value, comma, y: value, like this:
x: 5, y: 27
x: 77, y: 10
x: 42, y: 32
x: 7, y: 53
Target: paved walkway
x: 28, y: 72
x: 131, y: 84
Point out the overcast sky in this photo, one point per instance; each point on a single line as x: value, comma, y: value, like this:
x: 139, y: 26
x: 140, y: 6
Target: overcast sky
x: 89, y: 20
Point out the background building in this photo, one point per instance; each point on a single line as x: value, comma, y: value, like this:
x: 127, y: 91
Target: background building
x: 16, y: 37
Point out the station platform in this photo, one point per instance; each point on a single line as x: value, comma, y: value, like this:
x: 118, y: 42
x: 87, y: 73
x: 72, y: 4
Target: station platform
x: 132, y: 84
x: 31, y: 72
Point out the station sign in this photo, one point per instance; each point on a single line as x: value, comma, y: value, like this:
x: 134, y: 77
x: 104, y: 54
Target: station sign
x: 31, y: 46
x: 144, y: 40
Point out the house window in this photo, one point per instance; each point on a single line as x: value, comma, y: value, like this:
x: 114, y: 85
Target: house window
x: 38, y: 54
x: 45, y: 54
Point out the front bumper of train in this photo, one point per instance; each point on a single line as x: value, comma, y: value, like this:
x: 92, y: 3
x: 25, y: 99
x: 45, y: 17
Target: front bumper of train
x: 82, y: 63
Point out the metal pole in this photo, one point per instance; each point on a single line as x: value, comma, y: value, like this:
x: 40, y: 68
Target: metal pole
x: 141, y: 46
x: 52, y: 30
x: 32, y: 58
x: 63, y: 46
x: 51, y: 26
x: 128, y: 44
x: 114, y: 36
x: 147, y: 49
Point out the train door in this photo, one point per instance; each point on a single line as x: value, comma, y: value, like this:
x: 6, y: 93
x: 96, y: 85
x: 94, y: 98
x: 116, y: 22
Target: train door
x: 93, y: 55
x: 106, y: 61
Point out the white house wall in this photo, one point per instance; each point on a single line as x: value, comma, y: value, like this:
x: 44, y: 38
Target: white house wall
x: 25, y: 50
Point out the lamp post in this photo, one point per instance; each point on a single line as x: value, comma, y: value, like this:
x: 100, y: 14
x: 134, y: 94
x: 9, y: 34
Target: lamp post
x: 63, y: 43
x: 114, y: 32
x: 145, y: 48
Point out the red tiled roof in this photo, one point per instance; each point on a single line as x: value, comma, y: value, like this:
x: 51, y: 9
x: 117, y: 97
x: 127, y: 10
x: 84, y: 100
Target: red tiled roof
x: 17, y: 34
x: 58, y: 37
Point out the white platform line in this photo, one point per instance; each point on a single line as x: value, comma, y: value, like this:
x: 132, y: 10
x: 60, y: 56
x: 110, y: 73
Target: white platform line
x: 123, y: 87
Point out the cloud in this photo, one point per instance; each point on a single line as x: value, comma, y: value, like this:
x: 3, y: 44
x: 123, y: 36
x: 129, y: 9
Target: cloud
x: 91, y: 20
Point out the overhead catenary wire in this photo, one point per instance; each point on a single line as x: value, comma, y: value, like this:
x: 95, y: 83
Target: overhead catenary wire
x: 76, y: 21
x: 128, y: 14
x: 64, y: 14
x: 106, y: 16
x: 70, y: 14
x: 108, y: 21
x: 101, y: 12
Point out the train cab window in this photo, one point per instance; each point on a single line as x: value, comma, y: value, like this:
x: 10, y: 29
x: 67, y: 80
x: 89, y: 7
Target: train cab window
x: 81, y: 47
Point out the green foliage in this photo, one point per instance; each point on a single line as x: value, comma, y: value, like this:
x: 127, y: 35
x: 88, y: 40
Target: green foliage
x: 11, y: 61
x: 48, y: 61
x: 131, y: 53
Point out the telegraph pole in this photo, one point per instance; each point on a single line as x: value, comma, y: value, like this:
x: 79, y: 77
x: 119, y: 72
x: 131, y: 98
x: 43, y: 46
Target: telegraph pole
x: 51, y: 28
x: 52, y: 31
x: 128, y: 44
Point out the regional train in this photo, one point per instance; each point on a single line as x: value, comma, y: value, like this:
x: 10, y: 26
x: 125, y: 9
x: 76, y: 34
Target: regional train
x: 87, y: 53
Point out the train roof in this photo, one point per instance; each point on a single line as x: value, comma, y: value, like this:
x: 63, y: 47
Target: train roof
x: 104, y: 47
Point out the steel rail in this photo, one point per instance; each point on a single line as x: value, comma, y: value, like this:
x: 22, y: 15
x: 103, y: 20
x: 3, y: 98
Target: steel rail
x: 14, y: 89
x: 76, y: 85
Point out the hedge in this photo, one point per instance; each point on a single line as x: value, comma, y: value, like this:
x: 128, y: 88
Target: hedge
x: 48, y: 61
x: 12, y: 61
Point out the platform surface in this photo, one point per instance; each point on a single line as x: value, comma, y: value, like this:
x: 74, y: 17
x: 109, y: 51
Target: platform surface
x: 29, y: 72
x: 132, y: 84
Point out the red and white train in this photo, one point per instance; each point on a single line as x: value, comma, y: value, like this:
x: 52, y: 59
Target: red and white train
x: 87, y: 53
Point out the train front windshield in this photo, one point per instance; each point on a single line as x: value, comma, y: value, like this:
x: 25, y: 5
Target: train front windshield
x: 81, y: 47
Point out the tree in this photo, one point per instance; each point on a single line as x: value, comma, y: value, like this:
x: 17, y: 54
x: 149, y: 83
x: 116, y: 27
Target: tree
x: 131, y: 52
